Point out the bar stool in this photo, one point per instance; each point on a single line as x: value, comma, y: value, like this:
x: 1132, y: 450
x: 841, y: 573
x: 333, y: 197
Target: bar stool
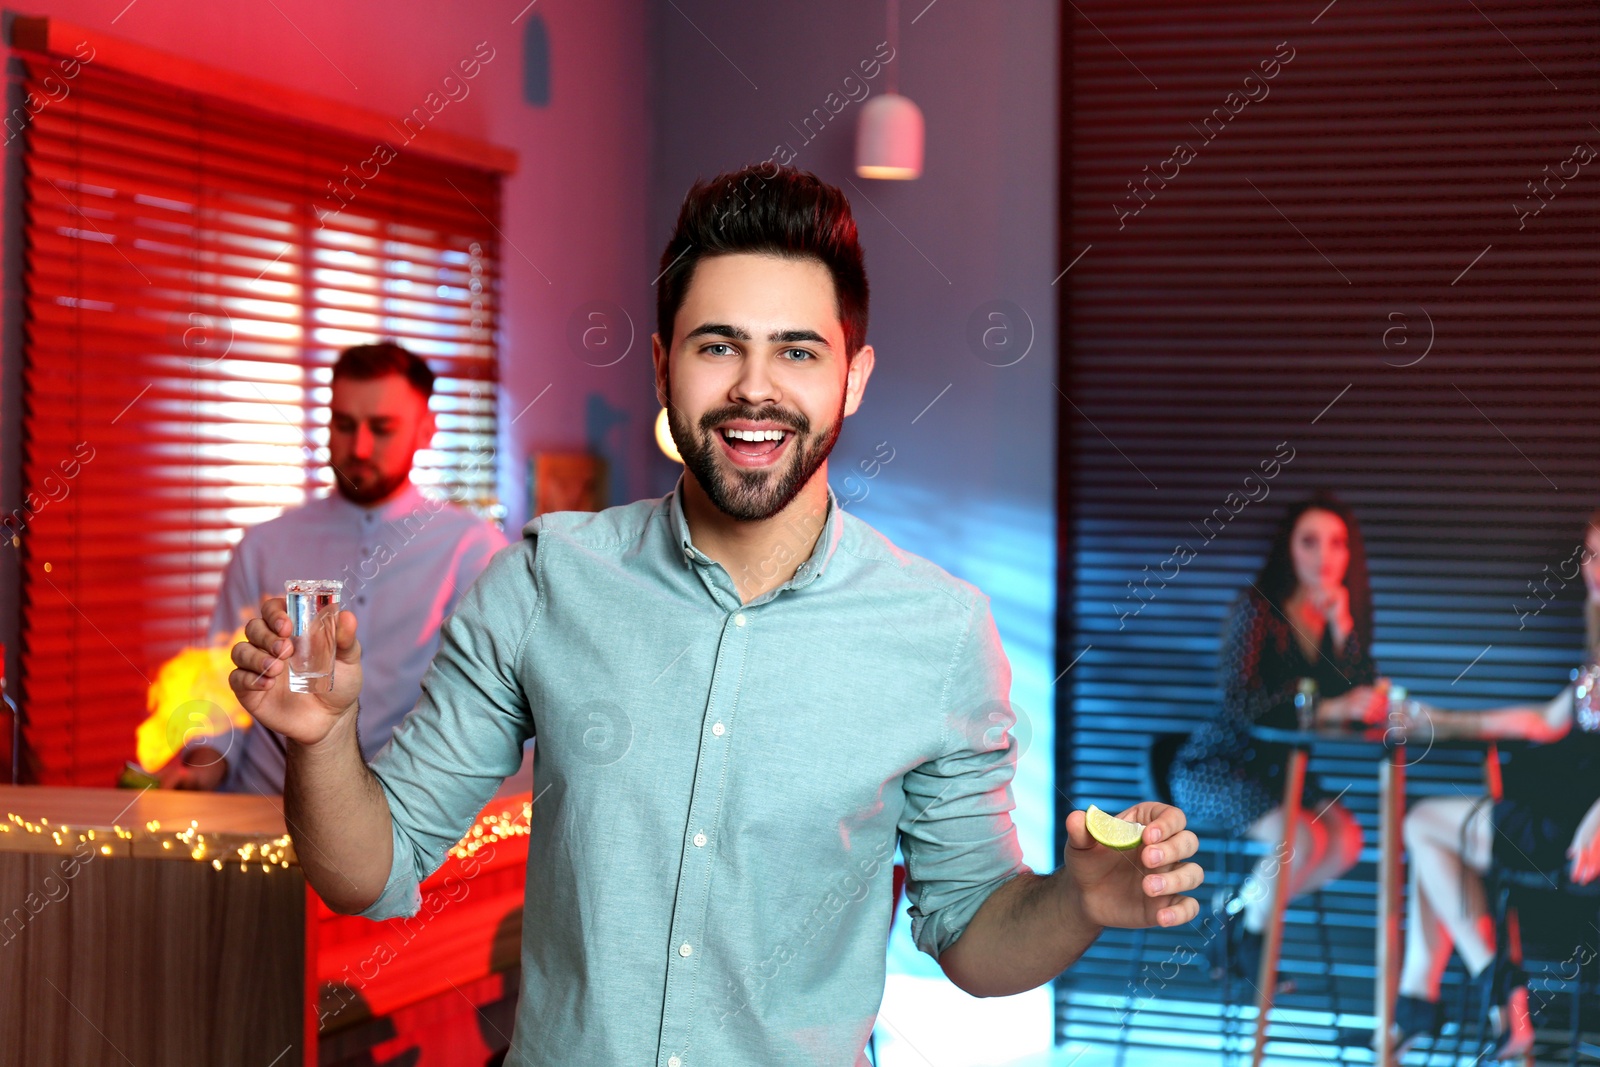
x: 1294, y: 780
x: 1503, y: 888
x: 1158, y: 769
x: 1158, y: 774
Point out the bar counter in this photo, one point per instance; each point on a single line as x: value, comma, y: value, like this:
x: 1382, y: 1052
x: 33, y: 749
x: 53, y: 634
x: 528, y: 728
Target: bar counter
x: 160, y: 927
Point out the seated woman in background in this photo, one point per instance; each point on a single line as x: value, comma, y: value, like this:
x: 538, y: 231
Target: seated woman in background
x: 1548, y: 819
x: 1308, y: 614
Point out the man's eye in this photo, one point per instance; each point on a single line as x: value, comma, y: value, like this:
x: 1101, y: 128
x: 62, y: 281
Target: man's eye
x: 802, y: 353
x: 711, y: 349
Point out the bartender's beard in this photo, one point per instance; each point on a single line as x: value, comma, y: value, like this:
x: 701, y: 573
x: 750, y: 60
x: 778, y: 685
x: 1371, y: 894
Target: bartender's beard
x: 362, y: 483
x: 751, y: 495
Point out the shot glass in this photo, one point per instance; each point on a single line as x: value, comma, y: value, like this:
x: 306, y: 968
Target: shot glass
x: 314, y: 611
x: 1305, y: 705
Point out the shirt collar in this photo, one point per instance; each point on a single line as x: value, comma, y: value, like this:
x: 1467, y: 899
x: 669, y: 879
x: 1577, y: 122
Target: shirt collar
x: 395, y: 508
x: 809, y: 571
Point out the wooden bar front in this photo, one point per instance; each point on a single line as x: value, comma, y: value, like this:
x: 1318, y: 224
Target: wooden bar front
x: 177, y: 928
x: 114, y: 948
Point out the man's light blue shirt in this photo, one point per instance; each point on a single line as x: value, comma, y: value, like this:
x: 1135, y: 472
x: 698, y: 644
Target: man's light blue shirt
x: 720, y: 786
x: 405, y: 564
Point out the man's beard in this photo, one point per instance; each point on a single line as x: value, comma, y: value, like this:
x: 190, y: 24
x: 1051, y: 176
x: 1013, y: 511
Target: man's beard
x: 370, y: 491
x: 751, y: 495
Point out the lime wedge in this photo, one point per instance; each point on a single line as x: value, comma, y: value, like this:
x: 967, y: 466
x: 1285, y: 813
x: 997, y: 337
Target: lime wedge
x: 1113, y: 832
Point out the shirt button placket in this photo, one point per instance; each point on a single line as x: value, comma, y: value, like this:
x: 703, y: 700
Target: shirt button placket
x: 689, y: 916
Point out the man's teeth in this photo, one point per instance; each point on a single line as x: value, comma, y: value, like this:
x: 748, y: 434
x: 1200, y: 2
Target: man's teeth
x: 753, y: 435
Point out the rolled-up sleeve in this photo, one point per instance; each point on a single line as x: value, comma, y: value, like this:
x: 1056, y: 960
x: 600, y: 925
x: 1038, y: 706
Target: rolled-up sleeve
x: 466, y: 733
x: 956, y: 831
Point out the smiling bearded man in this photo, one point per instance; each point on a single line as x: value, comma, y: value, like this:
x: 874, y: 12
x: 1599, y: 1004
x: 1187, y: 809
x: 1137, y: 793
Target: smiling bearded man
x: 725, y: 768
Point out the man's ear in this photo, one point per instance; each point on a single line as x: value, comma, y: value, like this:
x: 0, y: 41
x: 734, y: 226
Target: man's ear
x: 855, y: 383
x: 660, y: 364
x: 427, y: 425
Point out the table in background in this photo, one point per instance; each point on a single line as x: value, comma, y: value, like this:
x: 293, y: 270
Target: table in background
x: 1391, y: 761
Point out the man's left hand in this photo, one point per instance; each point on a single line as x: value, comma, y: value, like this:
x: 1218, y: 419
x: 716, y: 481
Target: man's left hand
x: 1138, y: 888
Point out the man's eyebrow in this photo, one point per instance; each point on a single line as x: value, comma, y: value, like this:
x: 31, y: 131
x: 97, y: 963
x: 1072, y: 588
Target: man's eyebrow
x: 723, y: 329
x: 791, y: 336
x: 717, y: 329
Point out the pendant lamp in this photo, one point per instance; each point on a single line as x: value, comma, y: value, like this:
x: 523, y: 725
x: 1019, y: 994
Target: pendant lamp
x: 890, y: 133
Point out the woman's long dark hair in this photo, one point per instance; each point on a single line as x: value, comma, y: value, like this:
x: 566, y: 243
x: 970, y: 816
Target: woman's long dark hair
x: 1277, y: 581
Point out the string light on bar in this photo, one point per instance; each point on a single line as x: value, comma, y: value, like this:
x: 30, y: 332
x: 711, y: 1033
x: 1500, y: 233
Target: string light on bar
x: 270, y: 854
x: 492, y: 829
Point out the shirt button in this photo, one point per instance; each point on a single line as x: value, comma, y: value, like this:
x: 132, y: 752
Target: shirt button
x: 685, y: 950
x: 673, y: 1061
x: 718, y: 729
x: 738, y: 620
x: 699, y: 840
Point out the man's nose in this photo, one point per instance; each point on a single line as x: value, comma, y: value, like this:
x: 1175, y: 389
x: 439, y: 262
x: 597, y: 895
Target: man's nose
x: 755, y: 385
x: 361, y: 445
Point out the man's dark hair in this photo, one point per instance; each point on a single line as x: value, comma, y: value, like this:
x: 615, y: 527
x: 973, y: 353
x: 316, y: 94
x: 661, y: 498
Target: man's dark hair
x: 789, y: 213
x: 366, y: 362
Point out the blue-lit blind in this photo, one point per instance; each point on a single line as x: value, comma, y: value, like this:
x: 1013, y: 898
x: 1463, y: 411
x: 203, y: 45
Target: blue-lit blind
x: 1352, y: 245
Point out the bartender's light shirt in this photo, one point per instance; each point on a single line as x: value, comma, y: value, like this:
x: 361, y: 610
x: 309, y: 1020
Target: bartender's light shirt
x: 405, y: 564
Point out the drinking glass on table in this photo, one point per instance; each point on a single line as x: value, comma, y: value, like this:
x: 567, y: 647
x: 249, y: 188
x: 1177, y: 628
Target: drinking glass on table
x: 1409, y: 716
x: 1305, y: 705
x: 313, y: 606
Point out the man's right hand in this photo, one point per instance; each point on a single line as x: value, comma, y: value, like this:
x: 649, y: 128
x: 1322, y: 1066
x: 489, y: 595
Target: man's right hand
x: 261, y: 681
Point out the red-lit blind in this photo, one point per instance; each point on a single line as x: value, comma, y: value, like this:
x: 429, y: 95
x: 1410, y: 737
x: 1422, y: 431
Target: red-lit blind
x: 191, y: 269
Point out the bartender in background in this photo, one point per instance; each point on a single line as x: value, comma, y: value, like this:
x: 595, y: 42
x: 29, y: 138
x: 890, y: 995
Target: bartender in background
x: 405, y: 559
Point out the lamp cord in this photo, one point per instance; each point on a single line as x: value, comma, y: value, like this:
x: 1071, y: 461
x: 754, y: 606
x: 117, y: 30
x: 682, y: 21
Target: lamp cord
x: 894, y: 44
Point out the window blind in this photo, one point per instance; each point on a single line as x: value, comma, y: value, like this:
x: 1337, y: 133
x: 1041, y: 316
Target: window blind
x: 192, y: 266
x: 1361, y: 235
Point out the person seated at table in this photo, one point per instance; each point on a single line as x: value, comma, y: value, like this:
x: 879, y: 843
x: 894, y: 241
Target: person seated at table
x: 1308, y: 614
x: 1548, y: 818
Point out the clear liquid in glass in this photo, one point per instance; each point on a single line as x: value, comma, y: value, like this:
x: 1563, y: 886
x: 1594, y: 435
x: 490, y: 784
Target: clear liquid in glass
x: 313, y: 607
